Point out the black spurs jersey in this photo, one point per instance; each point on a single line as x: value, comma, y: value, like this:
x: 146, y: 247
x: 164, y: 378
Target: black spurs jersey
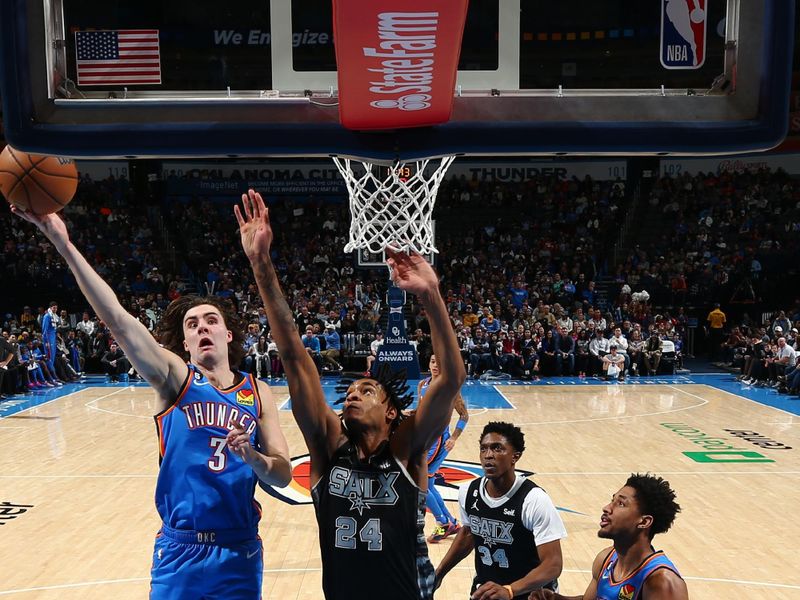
x: 505, y: 550
x: 371, y: 517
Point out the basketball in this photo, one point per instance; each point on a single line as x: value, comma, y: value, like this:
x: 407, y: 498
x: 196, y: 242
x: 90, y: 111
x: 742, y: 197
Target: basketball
x: 36, y: 183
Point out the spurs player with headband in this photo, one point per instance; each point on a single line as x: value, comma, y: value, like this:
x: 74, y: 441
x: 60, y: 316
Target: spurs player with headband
x: 368, y: 468
x: 218, y: 435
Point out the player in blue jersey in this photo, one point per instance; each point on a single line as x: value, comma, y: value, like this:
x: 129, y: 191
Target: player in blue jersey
x: 50, y: 322
x: 446, y: 523
x: 632, y: 569
x: 218, y: 434
x: 368, y: 469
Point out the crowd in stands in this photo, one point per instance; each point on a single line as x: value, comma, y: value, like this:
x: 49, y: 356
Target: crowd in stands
x: 721, y: 238
x: 766, y: 356
x: 520, y: 275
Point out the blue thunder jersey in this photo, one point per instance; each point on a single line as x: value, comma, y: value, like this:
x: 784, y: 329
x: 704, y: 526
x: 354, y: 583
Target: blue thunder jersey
x: 631, y: 587
x: 203, y: 485
x: 437, y: 452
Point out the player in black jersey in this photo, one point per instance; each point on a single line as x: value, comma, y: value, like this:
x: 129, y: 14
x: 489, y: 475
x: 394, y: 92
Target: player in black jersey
x: 510, y: 522
x: 368, y: 470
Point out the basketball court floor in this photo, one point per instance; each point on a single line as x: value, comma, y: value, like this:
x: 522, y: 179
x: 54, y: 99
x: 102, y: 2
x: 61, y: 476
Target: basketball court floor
x: 78, y: 469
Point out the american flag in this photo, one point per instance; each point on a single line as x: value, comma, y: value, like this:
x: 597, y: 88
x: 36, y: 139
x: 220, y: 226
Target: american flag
x: 123, y: 57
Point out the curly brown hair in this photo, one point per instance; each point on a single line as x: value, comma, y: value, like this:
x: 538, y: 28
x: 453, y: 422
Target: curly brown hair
x: 169, y: 331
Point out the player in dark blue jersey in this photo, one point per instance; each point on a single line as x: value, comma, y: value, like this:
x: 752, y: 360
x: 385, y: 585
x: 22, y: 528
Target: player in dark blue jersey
x: 218, y: 434
x: 632, y: 569
x: 368, y: 469
x: 446, y: 523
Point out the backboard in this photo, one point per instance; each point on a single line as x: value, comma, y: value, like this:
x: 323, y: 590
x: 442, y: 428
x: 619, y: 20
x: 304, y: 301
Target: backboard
x: 258, y: 78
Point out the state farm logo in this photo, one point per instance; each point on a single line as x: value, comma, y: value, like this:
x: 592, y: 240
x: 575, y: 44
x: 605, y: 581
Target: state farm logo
x: 409, y: 102
x: 405, y: 60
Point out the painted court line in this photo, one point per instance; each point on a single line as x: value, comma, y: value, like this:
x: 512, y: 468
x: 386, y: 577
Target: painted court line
x: 90, y: 404
x: 504, y: 397
x: 787, y: 586
x: 627, y: 473
x: 786, y: 412
x: 592, y: 419
x: 63, y: 586
x: 538, y: 473
x: 38, y: 404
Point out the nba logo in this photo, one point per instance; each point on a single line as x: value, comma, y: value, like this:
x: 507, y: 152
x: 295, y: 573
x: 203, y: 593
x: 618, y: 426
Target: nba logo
x: 683, y: 33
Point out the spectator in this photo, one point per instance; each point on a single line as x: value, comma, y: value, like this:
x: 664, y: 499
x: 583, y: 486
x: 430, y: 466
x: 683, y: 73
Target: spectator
x: 635, y: 351
x: 613, y: 365
x: 652, y: 353
x: 312, y: 346
x: 115, y: 364
x: 716, y: 324
x: 374, y: 346
x: 6, y: 357
x: 565, y: 353
x: 582, y: 365
x: 333, y: 347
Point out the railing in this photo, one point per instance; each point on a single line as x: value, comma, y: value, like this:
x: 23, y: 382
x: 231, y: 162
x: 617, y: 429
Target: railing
x: 630, y: 217
x: 167, y: 246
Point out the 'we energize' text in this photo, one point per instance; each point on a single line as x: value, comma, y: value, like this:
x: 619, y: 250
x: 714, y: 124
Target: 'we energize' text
x: 257, y: 37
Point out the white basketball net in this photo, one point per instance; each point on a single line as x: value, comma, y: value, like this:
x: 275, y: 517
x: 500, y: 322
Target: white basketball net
x: 392, y: 205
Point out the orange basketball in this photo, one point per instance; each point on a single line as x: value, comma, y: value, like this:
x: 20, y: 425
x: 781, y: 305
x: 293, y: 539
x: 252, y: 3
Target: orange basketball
x: 38, y: 184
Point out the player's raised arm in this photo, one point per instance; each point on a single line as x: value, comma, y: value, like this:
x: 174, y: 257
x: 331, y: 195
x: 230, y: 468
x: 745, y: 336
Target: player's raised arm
x: 320, y: 425
x: 164, y: 370
x: 463, y: 419
x: 412, y: 273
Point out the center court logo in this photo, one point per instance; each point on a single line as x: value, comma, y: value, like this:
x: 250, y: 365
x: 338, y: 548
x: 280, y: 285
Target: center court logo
x: 452, y: 474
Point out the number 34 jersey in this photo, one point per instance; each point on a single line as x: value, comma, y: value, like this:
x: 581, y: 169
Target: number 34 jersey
x: 507, y: 530
x: 202, y: 484
x: 371, y: 517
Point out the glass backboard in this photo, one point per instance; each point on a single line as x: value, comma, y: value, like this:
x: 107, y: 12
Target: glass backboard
x: 258, y: 78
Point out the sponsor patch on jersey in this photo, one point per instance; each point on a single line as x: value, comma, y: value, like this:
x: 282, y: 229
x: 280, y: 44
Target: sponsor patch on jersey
x: 245, y: 398
x: 626, y: 592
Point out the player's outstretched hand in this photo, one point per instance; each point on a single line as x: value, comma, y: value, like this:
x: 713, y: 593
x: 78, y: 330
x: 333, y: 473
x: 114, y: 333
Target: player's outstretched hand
x: 254, y: 226
x: 238, y: 440
x: 541, y: 595
x: 52, y: 226
x: 411, y: 272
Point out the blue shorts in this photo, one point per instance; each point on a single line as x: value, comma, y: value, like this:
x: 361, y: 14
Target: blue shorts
x: 205, y: 569
x: 437, y: 453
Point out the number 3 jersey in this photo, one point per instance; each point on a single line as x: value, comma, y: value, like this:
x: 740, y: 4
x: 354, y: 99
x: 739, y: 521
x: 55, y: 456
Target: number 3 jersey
x: 507, y: 530
x: 371, y: 517
x: 202, y: 484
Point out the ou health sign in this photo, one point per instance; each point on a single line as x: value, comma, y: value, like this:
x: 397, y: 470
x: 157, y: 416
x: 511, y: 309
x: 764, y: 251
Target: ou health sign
x: 683, y: 33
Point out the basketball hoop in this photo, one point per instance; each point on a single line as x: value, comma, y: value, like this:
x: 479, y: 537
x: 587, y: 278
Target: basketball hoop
x: 392, y: 204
